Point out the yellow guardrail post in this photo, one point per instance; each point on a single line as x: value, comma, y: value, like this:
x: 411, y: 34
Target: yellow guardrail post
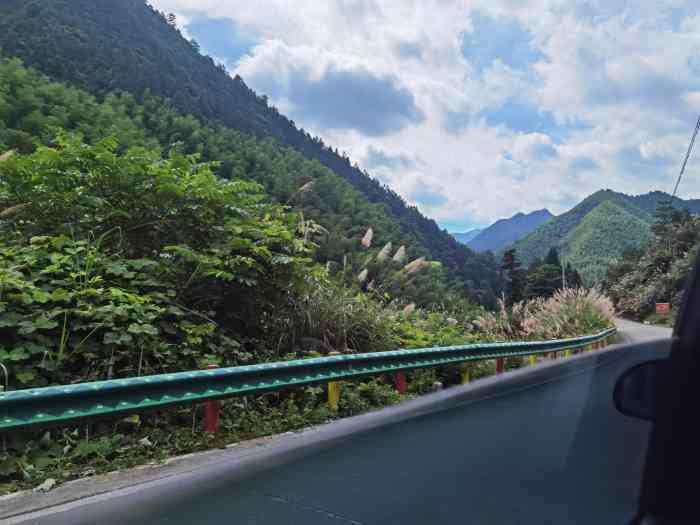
x: 464, y: 374
x: 567, y: 353
x: 533, y: 360
x: 333, y: 396
x: 333, y: 391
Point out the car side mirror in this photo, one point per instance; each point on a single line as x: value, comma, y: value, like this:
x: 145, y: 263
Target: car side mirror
x: 636, y: 390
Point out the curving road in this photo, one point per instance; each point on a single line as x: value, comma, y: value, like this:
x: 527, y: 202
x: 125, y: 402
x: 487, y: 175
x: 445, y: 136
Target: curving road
x: 540, y: 446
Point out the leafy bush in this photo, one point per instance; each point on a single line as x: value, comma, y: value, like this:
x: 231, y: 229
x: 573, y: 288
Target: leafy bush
x: 424, y: 329
x: 118, y: 265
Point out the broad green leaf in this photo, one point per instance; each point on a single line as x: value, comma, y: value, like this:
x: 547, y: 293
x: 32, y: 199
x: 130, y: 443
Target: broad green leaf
x: 40, y: 296
x: 42, y: 323
x: 60, y: 294
x: 26, y: 376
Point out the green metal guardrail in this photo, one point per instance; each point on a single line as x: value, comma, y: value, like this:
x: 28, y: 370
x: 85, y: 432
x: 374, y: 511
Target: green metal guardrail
x: 60, y: 404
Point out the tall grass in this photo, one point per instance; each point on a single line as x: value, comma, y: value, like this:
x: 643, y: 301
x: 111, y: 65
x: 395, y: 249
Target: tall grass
x: 568, y: 313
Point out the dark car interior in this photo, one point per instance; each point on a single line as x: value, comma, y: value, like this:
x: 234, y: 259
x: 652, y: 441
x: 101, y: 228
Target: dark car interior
x: 666, y: 392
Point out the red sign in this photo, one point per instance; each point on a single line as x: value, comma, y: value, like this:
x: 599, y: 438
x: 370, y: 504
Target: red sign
x: 663, y: 308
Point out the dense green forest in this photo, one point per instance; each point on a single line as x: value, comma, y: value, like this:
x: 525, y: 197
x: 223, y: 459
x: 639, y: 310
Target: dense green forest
x: 651, y: 201
x: 589, y: 235
x: 608, y: 229
x: 599, y: 230
x: 541, y: 279
x: 642, y: 277
x: 103, y: 46
x: 331, y: 211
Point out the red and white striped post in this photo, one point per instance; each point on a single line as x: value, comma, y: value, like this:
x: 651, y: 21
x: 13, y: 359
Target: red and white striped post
x: 211, y: 413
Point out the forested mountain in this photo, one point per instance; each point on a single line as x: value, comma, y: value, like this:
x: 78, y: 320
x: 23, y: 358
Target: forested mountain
x: 467, y: 236
x: 598, y: 230
x: 607, y: 230
x: 332, y: 213
x: 103, y: 45
x: 504, y: 232
x: 640, y: 278
x: 649, y: 202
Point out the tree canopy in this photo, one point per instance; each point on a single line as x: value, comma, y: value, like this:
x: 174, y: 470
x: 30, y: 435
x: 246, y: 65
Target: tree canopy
x: 104, y: 46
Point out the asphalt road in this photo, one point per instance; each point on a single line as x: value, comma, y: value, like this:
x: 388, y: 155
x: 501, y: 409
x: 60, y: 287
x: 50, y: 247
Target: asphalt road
x: 555, y: 451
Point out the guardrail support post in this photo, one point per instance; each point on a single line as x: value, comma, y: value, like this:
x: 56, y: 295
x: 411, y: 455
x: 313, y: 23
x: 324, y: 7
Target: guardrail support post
x: 400, y: 381
x: 567, y: 353
x: 464, y: 374
x: 499, y: 365
x: 533, y: 360
x: 333, y: 396
x: 211, y: 413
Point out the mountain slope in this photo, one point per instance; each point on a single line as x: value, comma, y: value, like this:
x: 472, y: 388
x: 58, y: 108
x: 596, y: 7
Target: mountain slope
x: 467, y: 236
x: 649, y: 201
x: 551, y: 234
x: 325, y: 208
x: 103, y: 45
x: 605, y: 233
x: 598, y: 230
x: 506, y: 231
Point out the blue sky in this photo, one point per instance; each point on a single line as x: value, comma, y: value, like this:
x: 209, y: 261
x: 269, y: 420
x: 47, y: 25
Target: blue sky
x: 475, y: 110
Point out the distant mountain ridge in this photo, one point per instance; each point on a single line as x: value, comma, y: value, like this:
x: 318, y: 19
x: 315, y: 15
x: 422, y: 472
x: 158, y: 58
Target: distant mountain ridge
x: 597, y: 230
x: 507, y: 231
x: 649, y: 201
x: 467, y: 236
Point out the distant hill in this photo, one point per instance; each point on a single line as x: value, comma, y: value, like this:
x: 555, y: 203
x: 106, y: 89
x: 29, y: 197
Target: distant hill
x: 467, y: 236
x: 649, y: 201
x: 104, y: 46
x: 609, y: 228
x: 506, y: 231
x: 597, y: 230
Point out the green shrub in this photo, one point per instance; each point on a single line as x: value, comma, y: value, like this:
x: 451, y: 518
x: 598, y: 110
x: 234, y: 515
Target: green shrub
x: 122, y: 264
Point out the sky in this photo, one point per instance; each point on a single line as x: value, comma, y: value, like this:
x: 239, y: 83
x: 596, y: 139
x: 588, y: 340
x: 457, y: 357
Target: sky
x: 475, y: 110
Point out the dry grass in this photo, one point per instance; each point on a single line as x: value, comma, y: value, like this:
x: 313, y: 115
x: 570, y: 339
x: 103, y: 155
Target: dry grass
x: 416, y: 266
x: 6, y: 155
x: 383, y: 254
x: 13, y: 210
x: 409, y: 309
x: 367, y: 239
x: 568, y: 313
x: 400, y: 255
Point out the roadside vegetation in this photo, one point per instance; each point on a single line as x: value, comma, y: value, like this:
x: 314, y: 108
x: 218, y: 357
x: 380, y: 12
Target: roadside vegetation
x: 122, y: 257
x: 643, y: 277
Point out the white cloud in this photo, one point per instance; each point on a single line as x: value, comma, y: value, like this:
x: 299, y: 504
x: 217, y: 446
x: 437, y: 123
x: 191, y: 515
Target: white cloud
x: 620, y: 80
